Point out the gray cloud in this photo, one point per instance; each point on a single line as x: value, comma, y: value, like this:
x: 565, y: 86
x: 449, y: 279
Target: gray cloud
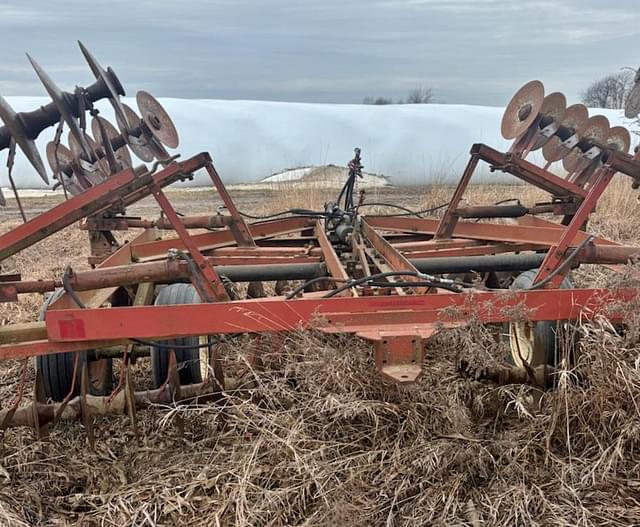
x: 469, y: 51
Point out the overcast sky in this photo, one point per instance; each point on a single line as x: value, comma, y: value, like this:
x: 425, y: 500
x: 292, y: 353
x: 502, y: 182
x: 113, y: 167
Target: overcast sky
x: 468, y: 51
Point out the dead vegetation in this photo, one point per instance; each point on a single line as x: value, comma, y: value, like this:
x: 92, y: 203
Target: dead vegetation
x: 318, y: 438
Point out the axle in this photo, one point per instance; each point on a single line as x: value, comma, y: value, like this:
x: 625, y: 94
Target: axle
x: 38, y: 120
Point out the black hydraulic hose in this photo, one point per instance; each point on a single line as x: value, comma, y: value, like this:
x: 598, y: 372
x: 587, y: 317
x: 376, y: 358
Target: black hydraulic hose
x: 295, y: 212
x: 162, y: 346
x: 431, y: 280
x: 408, y: 212
x: 306, y: 284
x: 563, y: 265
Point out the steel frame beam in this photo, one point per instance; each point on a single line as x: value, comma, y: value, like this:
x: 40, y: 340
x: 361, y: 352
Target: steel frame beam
x: 362, y: 315
x: 94, y: 200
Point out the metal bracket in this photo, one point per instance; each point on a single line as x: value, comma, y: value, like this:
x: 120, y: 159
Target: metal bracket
x: 400, y: 357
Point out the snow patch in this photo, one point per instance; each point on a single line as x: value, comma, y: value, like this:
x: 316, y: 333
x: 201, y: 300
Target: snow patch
x: 329, y: 176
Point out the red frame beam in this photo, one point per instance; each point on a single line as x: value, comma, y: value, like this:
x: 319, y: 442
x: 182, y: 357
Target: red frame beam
x: 346, y: 314
x: 95, y: 199
x: 490, y: 232
x: 224, y: 238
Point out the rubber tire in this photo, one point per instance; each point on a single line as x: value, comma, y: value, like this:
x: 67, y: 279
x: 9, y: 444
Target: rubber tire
x: 188, y: 359
x: 544, y: 332
x: 57, y: 368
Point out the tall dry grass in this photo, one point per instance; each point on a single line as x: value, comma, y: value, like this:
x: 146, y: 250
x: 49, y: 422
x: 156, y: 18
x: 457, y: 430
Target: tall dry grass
x: 320, y: 439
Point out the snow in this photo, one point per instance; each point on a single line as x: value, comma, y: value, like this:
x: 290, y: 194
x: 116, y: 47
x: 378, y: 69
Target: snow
x: 328, y: 176
x: 248, y: 140
x: 294, y: 174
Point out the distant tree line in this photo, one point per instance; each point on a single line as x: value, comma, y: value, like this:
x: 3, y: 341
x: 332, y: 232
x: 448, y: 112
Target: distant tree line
x: 419, y: 95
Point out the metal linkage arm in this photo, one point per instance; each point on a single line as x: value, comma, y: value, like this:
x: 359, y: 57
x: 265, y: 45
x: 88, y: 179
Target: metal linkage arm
x: 96, y: 199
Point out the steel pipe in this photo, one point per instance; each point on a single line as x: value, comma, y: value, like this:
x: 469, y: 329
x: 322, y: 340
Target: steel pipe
x: 178, y: 270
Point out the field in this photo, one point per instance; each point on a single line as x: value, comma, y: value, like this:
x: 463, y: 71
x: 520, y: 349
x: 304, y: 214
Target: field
x: 321, y: 439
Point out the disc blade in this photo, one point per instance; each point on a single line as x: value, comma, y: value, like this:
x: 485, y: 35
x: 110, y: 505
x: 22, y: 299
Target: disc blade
x: 60, y: 156
x: 575, y: 119
x: 28, y: 146
x: 61, y: 104
x: 571, y: 161
x: 573, y: 123
x: 619, y: 139
x: 596, y: 130
x: 94, y: 172
x: 139, y: 145
x: 552, y: 111
x: 157, y: 119
x: 522, y: 110
x: 101, y: 74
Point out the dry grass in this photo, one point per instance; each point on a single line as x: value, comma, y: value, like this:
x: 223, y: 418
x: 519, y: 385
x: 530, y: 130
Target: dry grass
x: 320, y: 439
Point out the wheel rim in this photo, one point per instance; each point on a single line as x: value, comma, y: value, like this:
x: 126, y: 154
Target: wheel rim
x: 522, y: 343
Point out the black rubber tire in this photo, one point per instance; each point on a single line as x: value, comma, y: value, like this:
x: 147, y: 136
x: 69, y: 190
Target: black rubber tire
x: 188, y: 359
x: 546, y: 346
x: 57, y: 368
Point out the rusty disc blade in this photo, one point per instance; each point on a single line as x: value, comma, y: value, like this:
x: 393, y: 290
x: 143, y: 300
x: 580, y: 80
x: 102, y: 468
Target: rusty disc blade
x: 575, y: 119
x: 571, y: 161
x: 551, y: 150
x: 552, y: 111
x: 157, y: 119
x: 19, y: 134
x: 573, y: 122
x: 632, y: 104
x: 596, y: 130
x: 121, y: 154
x: 522, y: 110
x: 139, y: 145
x: 95, y: 172
x: 59, y: 156
x: 619, y: 139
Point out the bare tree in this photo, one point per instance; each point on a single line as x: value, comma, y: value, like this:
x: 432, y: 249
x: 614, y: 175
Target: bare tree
x: 420, y: 95
x: 610, y: 91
